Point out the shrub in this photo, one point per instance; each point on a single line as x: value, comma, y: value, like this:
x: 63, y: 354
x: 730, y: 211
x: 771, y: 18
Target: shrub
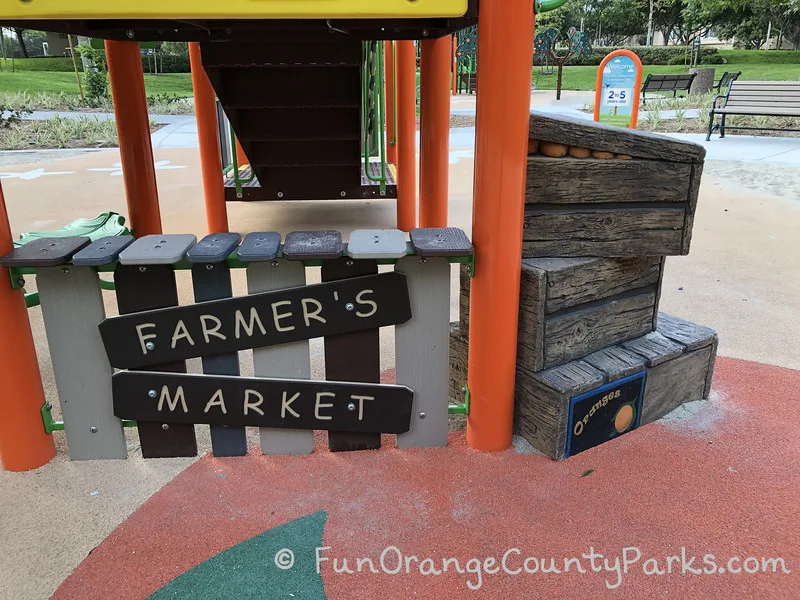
x: 714, y: 59
x: 678, y: 60
x: 170, y: 63
x: 61, y: 64
x: 96, y: 76
x: 761, y: 56
x: 649, y: 55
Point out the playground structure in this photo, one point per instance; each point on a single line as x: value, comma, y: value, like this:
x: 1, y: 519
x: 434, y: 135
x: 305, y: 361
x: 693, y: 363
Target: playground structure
x: 465, y: 52
x: 544, y: 48
x: 507, y: 40
x: 264, y: 67
x: 604, y: 206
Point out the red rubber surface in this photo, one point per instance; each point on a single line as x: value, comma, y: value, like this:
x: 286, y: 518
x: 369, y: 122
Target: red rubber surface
x: 726, y: 482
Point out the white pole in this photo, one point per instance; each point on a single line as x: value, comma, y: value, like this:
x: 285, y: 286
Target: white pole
x: 650, y: 26
x: 769, y: 35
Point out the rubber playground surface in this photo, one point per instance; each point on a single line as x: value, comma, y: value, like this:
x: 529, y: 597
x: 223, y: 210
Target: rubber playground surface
x: 698, y: 506
x: 720, y: 478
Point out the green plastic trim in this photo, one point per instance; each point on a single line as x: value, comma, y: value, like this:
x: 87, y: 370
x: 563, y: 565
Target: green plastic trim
x: 460, y: 409
x: 238, y: 181
x: 51, y: 425
x: 47, y: 418
x: 541, y: 6
x: 378, y: 125
x: 32, y: 299
x: 393, y: 141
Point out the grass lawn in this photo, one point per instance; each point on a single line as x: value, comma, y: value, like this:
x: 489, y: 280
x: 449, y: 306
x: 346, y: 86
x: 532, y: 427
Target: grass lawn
x: 583, y: 78
x: 177, y: 84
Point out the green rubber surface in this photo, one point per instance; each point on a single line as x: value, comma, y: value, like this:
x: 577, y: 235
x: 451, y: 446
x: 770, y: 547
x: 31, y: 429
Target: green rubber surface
x: 249, y: 570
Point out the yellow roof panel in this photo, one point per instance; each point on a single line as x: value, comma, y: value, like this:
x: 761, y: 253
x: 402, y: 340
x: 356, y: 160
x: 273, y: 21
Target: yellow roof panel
x: 230, y: 9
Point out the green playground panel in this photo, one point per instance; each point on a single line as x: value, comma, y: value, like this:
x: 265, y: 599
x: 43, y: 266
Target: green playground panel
x: 103, y: 225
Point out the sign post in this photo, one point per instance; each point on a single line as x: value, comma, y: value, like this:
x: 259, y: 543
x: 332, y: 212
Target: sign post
x: 619, y: 79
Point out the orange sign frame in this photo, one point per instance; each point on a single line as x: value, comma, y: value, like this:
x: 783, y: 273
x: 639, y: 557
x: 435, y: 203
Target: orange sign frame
x: 638, y: 84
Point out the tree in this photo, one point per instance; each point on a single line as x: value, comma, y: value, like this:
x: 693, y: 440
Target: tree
x: 746, y: 21
x: 607, y: 22
x: 668, y: 19
x: 21, y: 41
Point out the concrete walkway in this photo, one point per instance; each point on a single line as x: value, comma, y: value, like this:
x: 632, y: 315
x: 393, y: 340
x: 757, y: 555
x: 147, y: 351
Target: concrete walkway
x: 44, y: 115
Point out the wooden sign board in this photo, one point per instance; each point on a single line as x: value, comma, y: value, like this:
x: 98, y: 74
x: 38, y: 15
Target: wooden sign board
x: 261, y: 402
x: 220, y: 326
x: 605, y: 413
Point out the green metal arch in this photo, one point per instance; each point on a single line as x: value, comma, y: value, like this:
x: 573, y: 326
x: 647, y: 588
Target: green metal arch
x: 541, y: 6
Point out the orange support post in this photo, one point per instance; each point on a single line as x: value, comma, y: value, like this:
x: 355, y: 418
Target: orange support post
x: 133, y: 130
x: 205, y: 109
x: 434, y: 132
x: 406, y: 61
x: 23, y: 443
x: 504, y: 48
x: 388, y: 69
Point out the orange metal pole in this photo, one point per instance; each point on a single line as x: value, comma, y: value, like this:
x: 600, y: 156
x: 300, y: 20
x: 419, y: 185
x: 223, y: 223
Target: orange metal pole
x: 434, y: 131
x: 205, y: 109
x: 406, y: 61
x: 388, y: 69
x: 133, y: 130
x: 503, y: 110
x: 23, y: 443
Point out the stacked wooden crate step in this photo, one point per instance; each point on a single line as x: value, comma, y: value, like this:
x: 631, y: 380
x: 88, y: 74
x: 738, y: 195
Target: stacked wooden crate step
x: 604, y: 208
x: 678, y: 359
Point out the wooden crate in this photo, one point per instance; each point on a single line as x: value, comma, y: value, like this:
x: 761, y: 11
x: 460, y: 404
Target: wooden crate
x: 639, y: 199
x: 678, y: 359
x: 570, y: 307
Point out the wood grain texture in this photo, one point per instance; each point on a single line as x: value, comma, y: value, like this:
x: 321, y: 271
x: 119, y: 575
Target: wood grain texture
x: 573, y: 281
x: 604, y: 230
x: 616, y: 362
x: 352, y: 356
x: 694, y: 192
x: 540, y: 415
x: 690, y: 335
x: 291, y: 361
x: 675, y: 375
x: 574, y: 377
x: 532, y: 304
x: 576, y: 333
x: 662, y: 265
x: 72, y: 307
x: 541, y: 406
x: 654, y: 348
x: 422, y: 348
x: 212, y: 281
x: 598, y: 180
x: 570, y: 307
x: 463, y: 300
x: 459, y: 353
x: 597, y: 136
x: 675, y: 382
x: 147, y: 287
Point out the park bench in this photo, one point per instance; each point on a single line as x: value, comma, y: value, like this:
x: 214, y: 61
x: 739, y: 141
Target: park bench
x: 725, y: 80
x: 755, y: 98
x: 667, y: 83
